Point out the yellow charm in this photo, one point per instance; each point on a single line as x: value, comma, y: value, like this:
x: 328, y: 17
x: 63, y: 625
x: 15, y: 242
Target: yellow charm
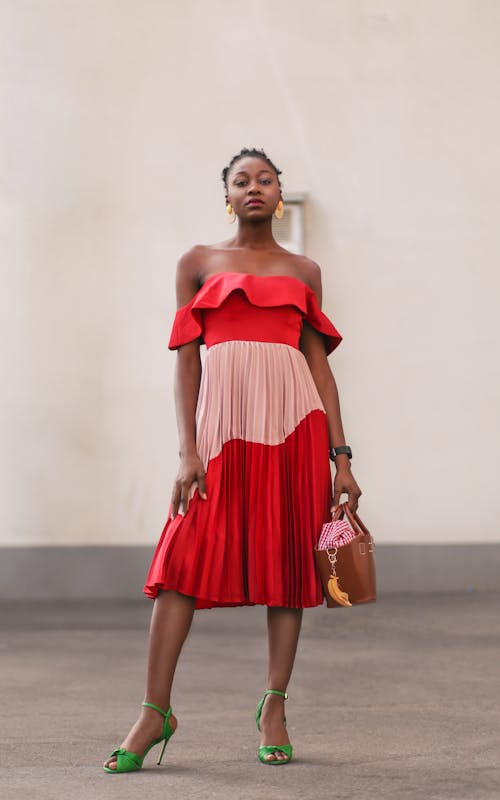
x: 342, y: 598
x: 278, y: 211
x: 230, y: 213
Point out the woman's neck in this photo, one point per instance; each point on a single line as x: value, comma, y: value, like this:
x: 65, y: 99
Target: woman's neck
x: 255, y: 235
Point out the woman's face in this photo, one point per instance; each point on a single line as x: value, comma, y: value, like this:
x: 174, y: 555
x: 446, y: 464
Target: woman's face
x: 252, y: 179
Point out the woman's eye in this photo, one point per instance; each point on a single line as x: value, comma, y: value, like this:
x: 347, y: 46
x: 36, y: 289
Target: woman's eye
x: 242, y: 182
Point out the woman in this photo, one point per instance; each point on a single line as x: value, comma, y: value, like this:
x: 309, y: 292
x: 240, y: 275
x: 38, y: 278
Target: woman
x: 256, y: 426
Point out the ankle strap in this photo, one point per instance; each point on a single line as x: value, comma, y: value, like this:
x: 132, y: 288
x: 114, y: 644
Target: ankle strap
x: 165, y: 714
x: 275, y: 691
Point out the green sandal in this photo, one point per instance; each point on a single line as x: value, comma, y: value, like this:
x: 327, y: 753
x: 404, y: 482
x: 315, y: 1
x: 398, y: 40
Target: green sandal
x: 265, y: 749
x: 130, y: 762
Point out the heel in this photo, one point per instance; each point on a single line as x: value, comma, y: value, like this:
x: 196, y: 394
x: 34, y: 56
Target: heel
x: 265, y: 750
x: 131, y: 762
x: 162, y: 751
x: 167, y: 728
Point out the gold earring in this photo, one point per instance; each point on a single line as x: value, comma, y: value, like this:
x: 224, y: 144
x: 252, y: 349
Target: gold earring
x: 278, y: 211
x: 231, y: 216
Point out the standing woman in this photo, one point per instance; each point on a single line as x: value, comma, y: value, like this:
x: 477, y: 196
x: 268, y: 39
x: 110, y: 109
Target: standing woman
x: 257, y: 425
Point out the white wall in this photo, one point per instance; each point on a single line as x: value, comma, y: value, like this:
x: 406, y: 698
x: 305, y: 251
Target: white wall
x: 118, y: 117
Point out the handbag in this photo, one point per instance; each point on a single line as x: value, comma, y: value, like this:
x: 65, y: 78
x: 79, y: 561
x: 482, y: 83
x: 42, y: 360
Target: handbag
x: 347, y: 565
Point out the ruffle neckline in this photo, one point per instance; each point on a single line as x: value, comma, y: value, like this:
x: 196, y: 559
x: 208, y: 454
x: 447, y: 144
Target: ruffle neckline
x: 260, y: 290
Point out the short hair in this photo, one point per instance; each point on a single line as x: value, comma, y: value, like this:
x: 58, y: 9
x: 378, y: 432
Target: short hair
x: 253, y: 152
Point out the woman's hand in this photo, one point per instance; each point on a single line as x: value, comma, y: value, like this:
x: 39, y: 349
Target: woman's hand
x: 345, y: 482
x: 191, y: 469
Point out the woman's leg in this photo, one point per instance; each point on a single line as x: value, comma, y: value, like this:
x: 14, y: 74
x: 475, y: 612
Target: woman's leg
x: 170, y: 622
x: 283, y: 625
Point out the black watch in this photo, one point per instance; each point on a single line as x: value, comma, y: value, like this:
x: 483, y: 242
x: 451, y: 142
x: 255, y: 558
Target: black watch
x: 336, y: 451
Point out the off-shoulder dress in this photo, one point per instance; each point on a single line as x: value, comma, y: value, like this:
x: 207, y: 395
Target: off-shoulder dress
x: 262, y: 435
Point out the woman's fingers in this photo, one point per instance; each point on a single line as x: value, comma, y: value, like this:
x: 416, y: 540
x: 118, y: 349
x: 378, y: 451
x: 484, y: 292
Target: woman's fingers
x: 180, y: 494
x: 336, y: 501
x: 345, y: 483
x: 176, y: 496
x: 179, y: 498
x: 202, y: 485
x: 184, y: 498
x: 353, y: 501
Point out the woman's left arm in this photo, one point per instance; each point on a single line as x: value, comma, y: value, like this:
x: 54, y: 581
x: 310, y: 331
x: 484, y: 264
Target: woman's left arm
x: 313, y: 347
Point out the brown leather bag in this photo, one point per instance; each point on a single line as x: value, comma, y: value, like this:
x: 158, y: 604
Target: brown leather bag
x: 350, y: 569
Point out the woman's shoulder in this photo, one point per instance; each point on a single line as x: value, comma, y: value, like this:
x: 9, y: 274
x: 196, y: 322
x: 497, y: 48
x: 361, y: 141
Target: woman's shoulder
x: 310, y: 271
x: 192, y: 259
x: 194, y: 263
x: 188, y: 271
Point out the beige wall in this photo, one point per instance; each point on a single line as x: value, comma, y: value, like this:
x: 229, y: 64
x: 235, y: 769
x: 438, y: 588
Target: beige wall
x: 117, y: 120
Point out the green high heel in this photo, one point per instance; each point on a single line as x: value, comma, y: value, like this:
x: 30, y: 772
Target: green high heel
x: 130, y: 762
x: 265, y: 749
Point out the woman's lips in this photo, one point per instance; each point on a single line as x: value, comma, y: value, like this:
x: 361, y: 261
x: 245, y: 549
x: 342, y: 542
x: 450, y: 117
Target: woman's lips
x: 255, y: 203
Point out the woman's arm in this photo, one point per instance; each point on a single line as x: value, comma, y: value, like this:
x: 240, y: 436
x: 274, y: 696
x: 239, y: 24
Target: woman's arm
x: 313, y: 347
x: 186, y: 388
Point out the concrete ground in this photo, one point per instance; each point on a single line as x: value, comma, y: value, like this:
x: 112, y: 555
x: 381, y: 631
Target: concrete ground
x: 396, y: 699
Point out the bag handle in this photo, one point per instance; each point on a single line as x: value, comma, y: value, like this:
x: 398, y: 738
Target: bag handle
x: 357, y: 525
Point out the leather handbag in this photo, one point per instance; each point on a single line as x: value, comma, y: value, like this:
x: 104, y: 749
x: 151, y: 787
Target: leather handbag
x: 348, y: 572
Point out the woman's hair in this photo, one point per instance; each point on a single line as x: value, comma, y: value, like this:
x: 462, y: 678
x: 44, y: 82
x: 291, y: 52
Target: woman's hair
x: 244, y: 152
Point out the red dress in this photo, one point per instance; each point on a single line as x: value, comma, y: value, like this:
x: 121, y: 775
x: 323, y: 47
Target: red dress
x: 262, y: 435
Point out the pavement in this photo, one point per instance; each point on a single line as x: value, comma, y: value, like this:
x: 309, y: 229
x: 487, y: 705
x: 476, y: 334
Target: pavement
x: 398, y: 700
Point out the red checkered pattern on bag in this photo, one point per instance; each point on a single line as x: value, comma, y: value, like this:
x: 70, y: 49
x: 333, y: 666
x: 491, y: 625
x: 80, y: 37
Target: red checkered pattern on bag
x: 335, y: 534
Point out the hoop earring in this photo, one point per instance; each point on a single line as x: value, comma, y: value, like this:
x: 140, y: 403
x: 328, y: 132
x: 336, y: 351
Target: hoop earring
x: 278, y: 211
x: 231, y: 216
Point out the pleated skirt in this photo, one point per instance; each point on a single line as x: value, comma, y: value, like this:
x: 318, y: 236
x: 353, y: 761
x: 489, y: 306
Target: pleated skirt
x: 262, y: 435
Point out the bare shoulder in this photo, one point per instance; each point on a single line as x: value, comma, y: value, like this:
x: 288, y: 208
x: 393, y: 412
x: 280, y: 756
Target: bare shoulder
x: 310, y: 273
x: 187, y: 278
x: 191, y: 260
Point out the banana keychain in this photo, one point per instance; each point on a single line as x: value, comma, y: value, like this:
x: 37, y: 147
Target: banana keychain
x: 342, y: 598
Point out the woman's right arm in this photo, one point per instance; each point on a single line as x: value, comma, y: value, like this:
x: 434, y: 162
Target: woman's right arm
x: 186, y: 388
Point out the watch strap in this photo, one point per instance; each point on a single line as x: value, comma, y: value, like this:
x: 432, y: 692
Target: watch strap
x: 341, y: 449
